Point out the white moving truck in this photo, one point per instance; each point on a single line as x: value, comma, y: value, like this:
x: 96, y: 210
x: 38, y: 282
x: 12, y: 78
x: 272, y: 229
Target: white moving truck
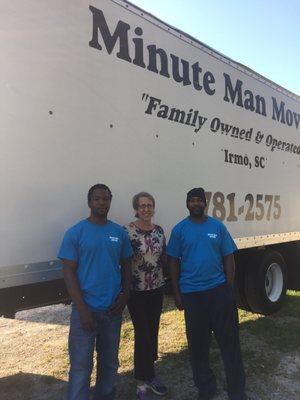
x: 100, y: 91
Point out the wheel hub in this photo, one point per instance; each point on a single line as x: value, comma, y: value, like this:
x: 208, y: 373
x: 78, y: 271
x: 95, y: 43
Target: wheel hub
x: 274, y: 282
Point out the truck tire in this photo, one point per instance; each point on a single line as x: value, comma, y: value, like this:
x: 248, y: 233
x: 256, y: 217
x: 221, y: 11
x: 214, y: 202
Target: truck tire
x: 241, y: 299
x: 266, y: 282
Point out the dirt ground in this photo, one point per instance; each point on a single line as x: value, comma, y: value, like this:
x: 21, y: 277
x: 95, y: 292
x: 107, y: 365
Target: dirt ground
x: 34, y: 359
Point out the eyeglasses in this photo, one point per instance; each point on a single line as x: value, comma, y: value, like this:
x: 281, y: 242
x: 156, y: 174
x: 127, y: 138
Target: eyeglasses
x: 144, y: 206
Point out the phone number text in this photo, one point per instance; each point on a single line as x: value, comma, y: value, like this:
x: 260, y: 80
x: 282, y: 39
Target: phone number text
x: 255, y: 207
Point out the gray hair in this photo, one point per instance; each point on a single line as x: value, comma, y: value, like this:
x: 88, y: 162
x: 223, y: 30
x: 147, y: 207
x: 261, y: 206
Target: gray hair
x: 136, y: 197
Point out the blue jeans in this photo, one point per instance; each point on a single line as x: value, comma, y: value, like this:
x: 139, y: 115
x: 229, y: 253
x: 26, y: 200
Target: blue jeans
x: 106, y: 336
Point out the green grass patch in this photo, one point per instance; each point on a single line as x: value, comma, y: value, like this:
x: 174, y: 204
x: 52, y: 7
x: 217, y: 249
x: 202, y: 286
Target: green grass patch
x: 265, y: 341
x: 270, y: 347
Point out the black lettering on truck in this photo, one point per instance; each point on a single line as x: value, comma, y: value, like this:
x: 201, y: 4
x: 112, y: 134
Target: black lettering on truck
x: 159, y: 61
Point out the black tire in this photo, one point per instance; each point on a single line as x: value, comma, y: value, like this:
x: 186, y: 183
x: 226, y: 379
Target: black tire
x: 266, y: 282
x: 239, y: 285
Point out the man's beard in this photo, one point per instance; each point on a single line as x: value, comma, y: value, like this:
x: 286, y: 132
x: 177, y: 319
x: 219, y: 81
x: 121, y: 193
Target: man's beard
x: 198, y: 214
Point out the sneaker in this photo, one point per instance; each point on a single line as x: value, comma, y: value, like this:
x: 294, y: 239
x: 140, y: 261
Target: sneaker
x: 142, y: 392
x: 157, y: 387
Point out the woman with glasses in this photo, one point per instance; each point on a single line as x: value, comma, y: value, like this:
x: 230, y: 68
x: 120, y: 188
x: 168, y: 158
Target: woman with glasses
x: 146, y: 295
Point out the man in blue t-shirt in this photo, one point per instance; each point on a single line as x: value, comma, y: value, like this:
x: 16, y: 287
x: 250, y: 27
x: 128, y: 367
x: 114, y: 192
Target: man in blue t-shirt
x: 202, y: 268
x: 92, y: 252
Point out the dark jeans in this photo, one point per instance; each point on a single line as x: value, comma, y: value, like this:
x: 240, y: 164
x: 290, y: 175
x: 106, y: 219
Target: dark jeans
x: 106, y: 336
x: 214, y: 310
x: 145, y: 310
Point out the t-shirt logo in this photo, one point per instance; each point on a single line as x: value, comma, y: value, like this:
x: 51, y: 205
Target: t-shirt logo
x: 114, y: 239
x: 212, y: 235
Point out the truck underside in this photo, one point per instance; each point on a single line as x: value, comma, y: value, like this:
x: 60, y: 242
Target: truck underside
x: 264, y: 274
x: 24, y: 297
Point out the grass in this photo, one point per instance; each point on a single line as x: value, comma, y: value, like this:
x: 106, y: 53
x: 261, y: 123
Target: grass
x: 265, y: 340
x: 37, y: 367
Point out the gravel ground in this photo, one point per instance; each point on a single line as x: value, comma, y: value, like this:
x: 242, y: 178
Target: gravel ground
x: 34, y: 362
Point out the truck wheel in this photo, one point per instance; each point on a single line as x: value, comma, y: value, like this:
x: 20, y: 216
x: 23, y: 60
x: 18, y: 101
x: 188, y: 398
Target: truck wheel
x: 266, y: 282
x: 239, y: 284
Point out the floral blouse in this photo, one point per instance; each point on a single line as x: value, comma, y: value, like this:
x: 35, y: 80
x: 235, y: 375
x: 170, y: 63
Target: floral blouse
x: 149, y: 254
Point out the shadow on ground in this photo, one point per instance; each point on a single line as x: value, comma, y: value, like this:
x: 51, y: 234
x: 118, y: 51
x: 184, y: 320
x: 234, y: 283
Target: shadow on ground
x: 266, y: 341
x: 25, y: 386
x: 55, y: 314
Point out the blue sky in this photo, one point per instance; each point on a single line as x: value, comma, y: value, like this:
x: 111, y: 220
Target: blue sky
x: 261, y: 34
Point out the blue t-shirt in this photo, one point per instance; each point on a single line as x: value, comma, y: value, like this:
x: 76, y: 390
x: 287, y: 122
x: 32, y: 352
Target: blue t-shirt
x: 97, y: 250
x: 200, y: 248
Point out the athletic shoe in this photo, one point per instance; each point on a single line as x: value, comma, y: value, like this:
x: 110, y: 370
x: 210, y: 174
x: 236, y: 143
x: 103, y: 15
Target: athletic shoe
x: 157, y: 387
x: 142, y: 393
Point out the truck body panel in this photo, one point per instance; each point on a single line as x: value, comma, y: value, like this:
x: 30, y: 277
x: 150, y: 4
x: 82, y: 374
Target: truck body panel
x: 105, y: 92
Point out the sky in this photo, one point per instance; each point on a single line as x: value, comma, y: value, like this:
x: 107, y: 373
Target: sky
x: 264, y: 35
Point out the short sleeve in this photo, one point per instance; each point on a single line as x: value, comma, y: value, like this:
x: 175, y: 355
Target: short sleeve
x: 126, y: 251
x: 68, y: 248
x: 227, y: 244
x: 174, y: 245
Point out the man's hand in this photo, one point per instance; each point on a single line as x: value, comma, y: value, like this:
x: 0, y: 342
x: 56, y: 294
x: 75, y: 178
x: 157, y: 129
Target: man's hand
x: 178, y: 301
x: 174, y: 265
x: 87, y: 319
x: 118, y: 305
x: 229, y: 268
x: 73, y: 287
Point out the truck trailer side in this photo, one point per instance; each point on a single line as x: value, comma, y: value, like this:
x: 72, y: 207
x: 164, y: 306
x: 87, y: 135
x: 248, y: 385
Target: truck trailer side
x: 102, y: 91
